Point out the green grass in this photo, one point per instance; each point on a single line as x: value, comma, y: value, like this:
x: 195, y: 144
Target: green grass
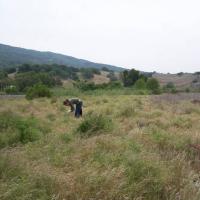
x: 15, y: 129
x: 94, y: 124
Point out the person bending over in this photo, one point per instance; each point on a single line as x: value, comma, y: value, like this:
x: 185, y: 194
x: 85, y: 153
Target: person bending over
x: 75, y: 102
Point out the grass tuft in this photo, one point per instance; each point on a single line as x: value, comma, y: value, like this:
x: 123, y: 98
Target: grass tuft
x: 94, y: 124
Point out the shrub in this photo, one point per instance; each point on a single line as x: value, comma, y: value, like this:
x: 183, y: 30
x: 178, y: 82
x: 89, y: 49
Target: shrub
x: 11, y: 90
x: 15, y: 129
x: 38, y: 90
x: 130, y: 77
x: 140, y: 84
x: 153, y: 84
x: 94, y: 124
x: 86, y: 86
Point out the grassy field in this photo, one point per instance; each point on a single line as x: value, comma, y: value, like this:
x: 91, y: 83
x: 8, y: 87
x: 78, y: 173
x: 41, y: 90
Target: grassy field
x: 125, y: 147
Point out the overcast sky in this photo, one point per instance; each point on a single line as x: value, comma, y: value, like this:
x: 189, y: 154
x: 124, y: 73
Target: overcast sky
x: 149, y: 35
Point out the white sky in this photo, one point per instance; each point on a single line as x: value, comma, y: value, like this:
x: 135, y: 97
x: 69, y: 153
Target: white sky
x: 149, y: 35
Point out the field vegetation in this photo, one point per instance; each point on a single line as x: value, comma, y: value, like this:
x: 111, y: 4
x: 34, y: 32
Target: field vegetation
x: 126, y: 146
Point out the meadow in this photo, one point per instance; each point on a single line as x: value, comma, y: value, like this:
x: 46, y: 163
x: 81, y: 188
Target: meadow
x: 126, y: 146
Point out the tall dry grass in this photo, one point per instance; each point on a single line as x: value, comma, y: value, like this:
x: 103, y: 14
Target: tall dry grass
x: 132, y: 148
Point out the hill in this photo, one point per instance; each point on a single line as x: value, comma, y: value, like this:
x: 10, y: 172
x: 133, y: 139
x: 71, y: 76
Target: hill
x: 180, y: 80
x: 10, y: 56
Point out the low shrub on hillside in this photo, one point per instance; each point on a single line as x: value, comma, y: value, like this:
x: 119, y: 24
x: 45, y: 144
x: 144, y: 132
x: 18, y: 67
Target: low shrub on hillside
x: 154, y: 86
x: 37, y: 91
x: 16, y: 129
x: 11, y: 90
x: 94, y: 124
x: 85, y: 86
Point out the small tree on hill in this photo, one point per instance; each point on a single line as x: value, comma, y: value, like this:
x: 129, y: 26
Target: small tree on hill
x: 37, y: 91
x: 153, y: 85
x: 130, y: 77
x: 140, y: 84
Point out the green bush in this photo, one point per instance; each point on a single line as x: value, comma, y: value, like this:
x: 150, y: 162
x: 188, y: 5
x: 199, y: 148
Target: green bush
x: 170, y: 88
x: 37, y: 91
x: 16, y: 129
x: 86, y: 86
x: 153, y: 85
x: 140, y: 84
x: 94, y: 124
x: 11, y: 90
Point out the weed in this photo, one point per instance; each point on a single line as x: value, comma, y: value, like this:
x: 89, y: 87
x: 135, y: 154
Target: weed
x: 16, y: 129
x: 127, y: 111
x: 94, y: 124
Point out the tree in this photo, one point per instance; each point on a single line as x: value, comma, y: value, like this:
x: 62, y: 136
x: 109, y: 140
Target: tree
x: 130, y: 77
x: 153, y: 85
x: 112, y: 76
x: 37, y: 91
x: 140, y: 84
x: 3, y: 74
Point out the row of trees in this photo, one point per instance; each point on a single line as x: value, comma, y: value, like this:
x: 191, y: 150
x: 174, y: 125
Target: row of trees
x: 62, y: 71
x: 22, y: 81
x: 140, y: 81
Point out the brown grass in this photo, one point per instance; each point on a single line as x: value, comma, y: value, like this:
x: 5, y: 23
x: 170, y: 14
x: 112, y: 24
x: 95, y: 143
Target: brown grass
x: 145, y: 156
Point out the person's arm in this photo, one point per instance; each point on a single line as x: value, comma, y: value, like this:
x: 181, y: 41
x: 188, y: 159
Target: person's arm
x: 72, y: 107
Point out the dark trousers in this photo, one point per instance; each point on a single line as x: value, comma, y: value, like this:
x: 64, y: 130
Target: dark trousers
x: 78, y: 111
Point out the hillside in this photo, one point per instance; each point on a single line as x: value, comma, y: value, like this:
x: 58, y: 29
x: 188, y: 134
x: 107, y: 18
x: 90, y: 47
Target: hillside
x: 185, y: 80
x: 10, y: 56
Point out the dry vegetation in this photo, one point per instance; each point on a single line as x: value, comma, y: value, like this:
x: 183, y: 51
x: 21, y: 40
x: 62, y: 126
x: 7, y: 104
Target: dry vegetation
x: 125, y: 147
x: 180, y: 81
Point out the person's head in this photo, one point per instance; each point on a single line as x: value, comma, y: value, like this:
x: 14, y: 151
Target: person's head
x: 66, y: 102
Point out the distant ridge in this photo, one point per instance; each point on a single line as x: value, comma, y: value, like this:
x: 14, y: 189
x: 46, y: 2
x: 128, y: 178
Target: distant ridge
x: 10, y: 56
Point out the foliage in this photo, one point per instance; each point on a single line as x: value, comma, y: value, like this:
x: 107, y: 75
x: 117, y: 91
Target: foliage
x: 29, y: 79
x: 3, y: 74
x: 106, y: 69
x: 12, y: 89
x: 88, y: 73
x: 61, y: 71
x: 140, y: 84
x: 16, y: 129
x: 112, y: 76
x: 153, y: 85
x: 170, y: 87
x: 130, y: 77
x: 85, y: 86
x: 94, y: 124
x: 37, y: 91
x: 5, y: 83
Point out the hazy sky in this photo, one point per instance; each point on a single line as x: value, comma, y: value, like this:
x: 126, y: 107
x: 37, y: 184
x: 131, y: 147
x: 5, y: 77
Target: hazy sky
x: 149, y: 35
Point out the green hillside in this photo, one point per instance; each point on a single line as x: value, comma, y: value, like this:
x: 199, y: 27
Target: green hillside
x: 10, y: 56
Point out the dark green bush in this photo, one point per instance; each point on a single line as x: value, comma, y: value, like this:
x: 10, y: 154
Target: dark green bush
x: 37, y: 91
x: 86, y: 86
x: 94, y: 124
x: 153, y: 84
x: 140, y: 84
x: 16, y: 129
x: 11, y: 90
